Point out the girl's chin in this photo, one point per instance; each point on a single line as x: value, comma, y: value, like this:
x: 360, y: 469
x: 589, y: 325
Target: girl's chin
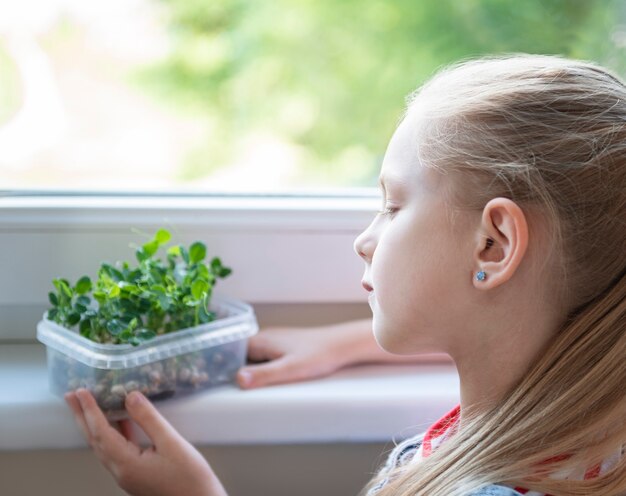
x: 385, y: 341
x: 386, y: 344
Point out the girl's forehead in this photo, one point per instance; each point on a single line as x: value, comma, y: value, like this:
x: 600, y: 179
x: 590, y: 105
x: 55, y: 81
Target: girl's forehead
x: 402, y: 164
x: 403, y: 144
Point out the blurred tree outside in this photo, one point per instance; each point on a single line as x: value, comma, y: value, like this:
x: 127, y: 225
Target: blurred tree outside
x: 235, y: 94
x: 331, y: 77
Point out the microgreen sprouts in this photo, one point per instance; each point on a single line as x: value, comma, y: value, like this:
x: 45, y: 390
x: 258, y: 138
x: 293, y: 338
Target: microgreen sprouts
x: 135, y: 304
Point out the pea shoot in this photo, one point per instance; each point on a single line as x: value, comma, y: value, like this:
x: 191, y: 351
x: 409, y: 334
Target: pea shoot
x: 127, y: 304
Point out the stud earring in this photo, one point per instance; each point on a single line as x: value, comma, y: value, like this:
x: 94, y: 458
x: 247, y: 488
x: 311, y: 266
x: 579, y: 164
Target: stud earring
x: 481, y: 276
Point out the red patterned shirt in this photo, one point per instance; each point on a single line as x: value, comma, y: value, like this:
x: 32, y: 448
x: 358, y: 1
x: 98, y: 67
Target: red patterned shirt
x: 424, y: 444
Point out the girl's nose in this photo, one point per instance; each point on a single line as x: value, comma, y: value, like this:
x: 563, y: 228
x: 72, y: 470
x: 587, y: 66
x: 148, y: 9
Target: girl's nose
x: 360, y: 247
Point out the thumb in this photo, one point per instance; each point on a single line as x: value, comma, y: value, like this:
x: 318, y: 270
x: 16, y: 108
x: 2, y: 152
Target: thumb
x: 143, y: 412
x: 281, y: 370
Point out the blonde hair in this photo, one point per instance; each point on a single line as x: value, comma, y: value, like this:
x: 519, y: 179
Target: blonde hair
x: 550, y: 134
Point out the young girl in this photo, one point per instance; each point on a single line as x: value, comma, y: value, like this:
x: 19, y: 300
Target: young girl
x: 501, y: 244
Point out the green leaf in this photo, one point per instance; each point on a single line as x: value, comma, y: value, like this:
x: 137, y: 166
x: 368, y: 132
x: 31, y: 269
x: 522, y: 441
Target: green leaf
x: 115, y: 327
x: 156, y: 274
x: 100, y: 297
x: 83, y: 300
x: 198, y: 288
x: 144, y: 305
x: 73, y: 318
x: 164, y: 302
x: 52, y: 314
x: 85, y: 327
x: 174, y: 251
x: 112, y: 272
x: 151, y: 247
x: 83, y: 285
x: 146, y: 334
x: 185, y: 254
x: 204, y: 315
x: 141, y: 256
x: 53, y: 299
x: 129, y: 289
x: 203, y: 272
x: 224, y: 271
x: 80, y: 308
x: 134, y: 276
x: 129, y: 306
x: 114, y: 291
x: 63, y: 287
x: 162, y: 236
x: 197, y: 252
x: 190, y: 301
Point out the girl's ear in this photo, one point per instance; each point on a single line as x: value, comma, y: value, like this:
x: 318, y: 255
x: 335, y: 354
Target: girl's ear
x: 502, y: 243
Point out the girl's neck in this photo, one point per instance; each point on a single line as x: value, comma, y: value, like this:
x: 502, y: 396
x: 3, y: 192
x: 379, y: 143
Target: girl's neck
x: 488, y: 370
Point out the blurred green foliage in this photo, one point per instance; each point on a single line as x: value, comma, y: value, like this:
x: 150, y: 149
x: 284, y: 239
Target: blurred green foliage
x: 331, y: 77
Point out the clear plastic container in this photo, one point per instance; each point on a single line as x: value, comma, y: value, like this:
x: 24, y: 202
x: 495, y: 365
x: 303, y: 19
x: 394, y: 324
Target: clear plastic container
x: 170, y: 365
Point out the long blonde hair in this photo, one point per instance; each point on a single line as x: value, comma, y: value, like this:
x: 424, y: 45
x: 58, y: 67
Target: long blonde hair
x: 550, y: 134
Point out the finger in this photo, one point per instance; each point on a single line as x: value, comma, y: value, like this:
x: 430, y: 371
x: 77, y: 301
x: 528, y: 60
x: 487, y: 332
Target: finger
x: 281, y: 371
x: 109, y: 445
x: 77, y: 411
x: 126, y: 429
x: 143, y: 412
x: 259, y: 349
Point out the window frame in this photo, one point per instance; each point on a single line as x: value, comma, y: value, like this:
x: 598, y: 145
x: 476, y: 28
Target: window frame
x: 69, y: 235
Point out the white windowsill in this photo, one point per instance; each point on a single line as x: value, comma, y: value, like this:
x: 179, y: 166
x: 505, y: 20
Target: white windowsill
x: 283, y: 249
x: 365, y: 403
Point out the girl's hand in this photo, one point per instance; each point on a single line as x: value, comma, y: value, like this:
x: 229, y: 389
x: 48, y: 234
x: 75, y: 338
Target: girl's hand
x: 297, y: 354
x: 172, y: 466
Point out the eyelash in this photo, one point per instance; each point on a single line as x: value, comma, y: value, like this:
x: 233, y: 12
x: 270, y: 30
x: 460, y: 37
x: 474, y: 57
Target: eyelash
x: 388, y: 211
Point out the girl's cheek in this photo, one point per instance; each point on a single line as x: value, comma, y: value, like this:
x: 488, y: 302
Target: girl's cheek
x: 384, y: 277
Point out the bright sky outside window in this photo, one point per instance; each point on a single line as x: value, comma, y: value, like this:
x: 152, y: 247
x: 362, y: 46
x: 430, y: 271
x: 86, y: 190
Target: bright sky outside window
x: 238, y: 96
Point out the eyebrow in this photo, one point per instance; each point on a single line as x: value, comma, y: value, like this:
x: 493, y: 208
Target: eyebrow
x: 382, y: 180
x: 381, y: 183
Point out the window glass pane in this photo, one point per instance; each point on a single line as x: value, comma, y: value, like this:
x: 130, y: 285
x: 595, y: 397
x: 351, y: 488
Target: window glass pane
x: 239, y: 95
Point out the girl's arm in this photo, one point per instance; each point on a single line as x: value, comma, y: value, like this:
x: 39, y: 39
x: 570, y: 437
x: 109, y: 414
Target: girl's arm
x: 297, y: 354
x: 170, y: 467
